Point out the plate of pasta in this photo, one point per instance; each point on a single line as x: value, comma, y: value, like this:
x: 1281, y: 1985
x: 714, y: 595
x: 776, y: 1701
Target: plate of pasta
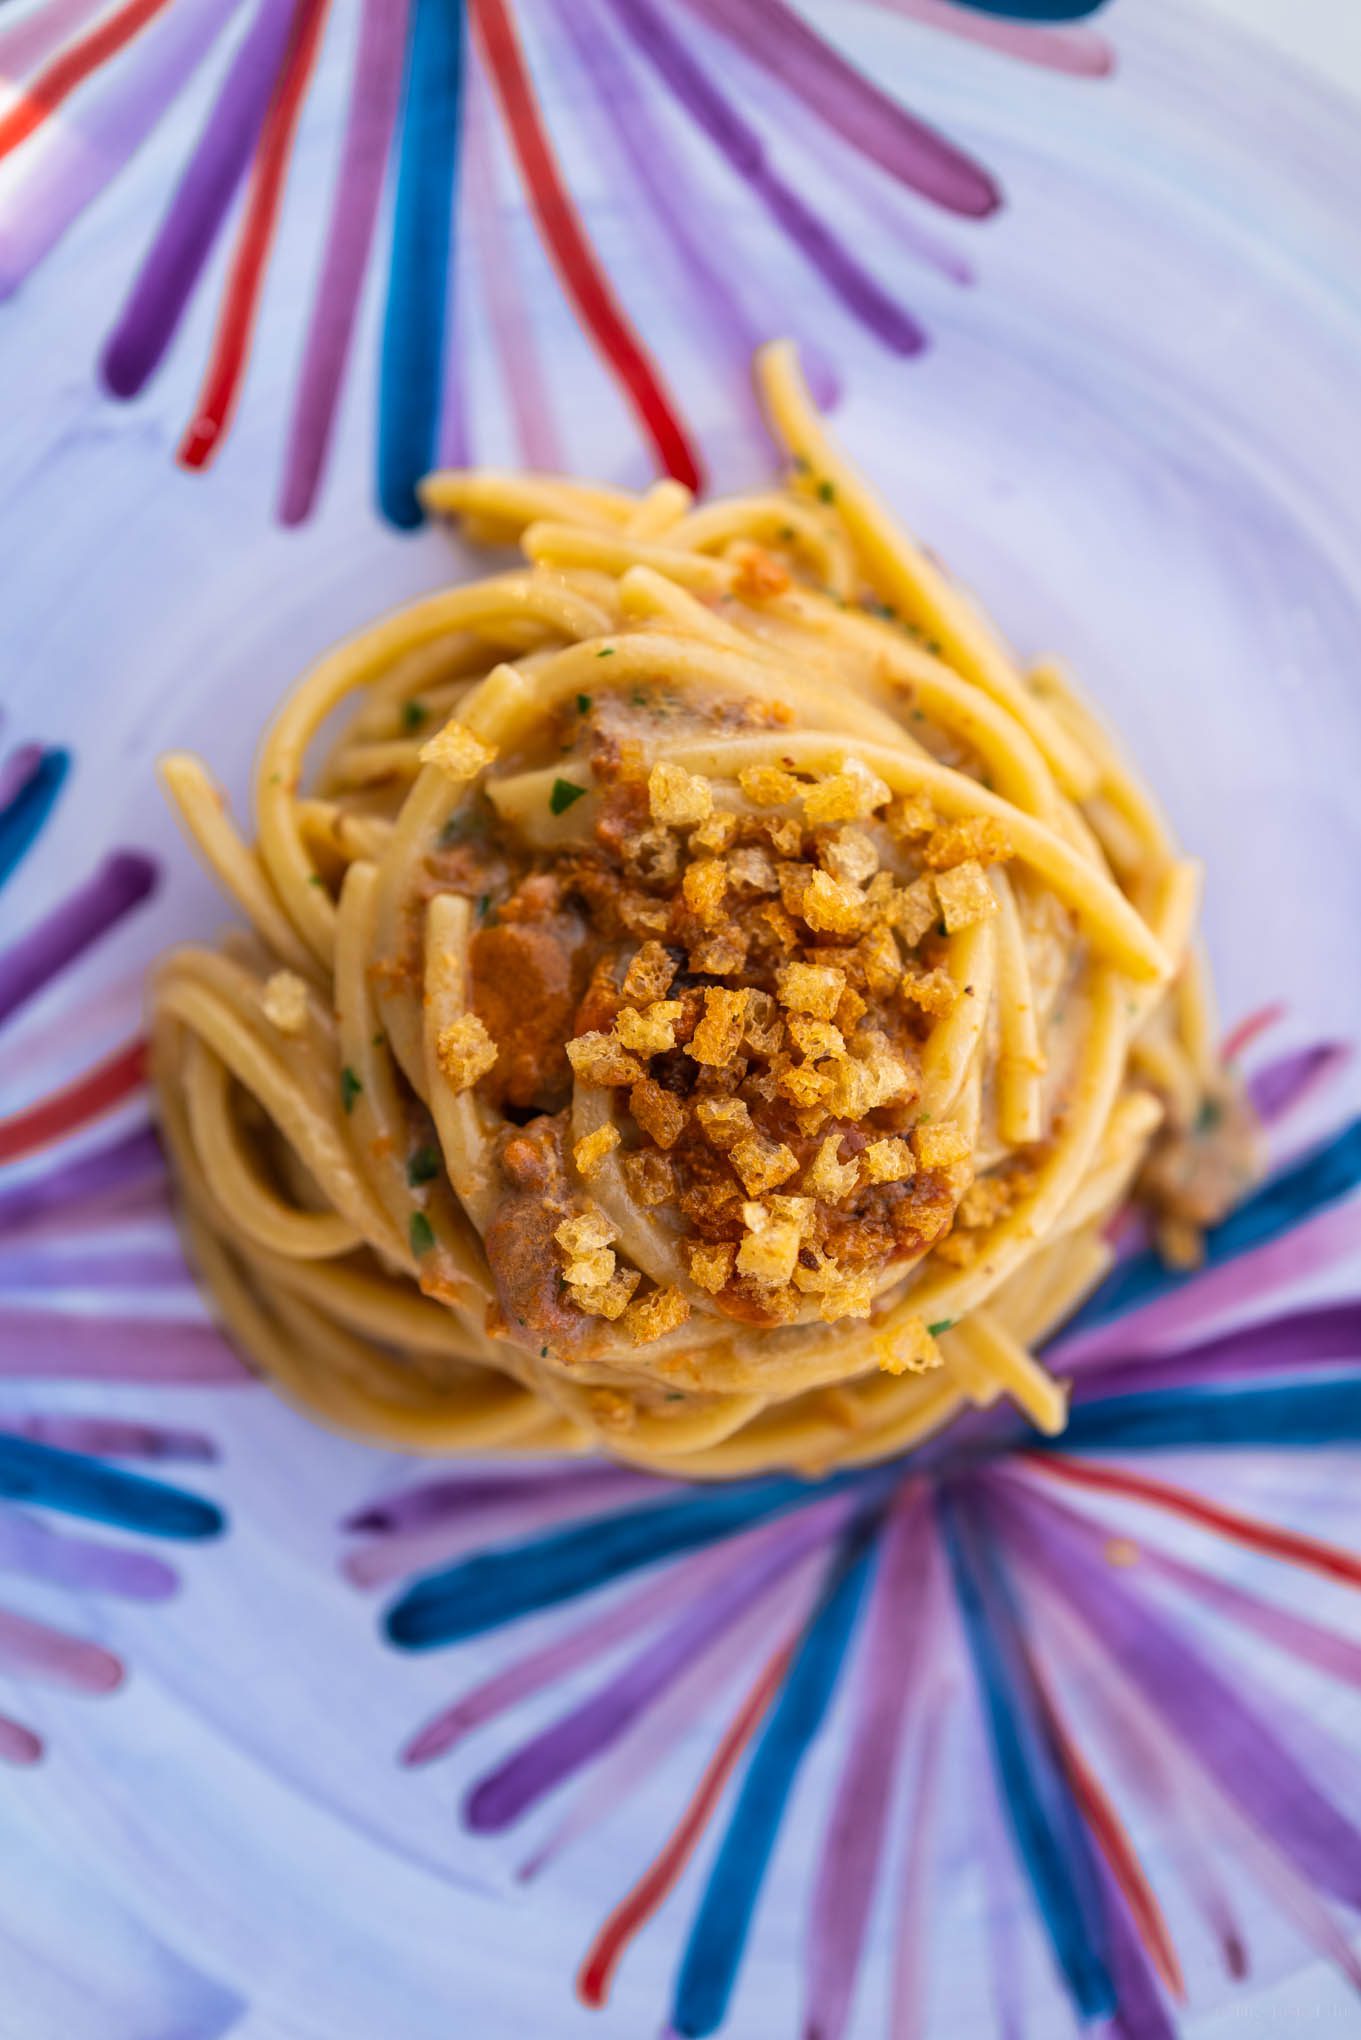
x: 678, y: 1280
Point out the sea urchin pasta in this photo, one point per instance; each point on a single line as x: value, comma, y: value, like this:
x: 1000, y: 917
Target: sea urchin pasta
x: 706, y: 1006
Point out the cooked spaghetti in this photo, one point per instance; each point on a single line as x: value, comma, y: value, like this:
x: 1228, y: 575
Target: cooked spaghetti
x: 706, y: 1007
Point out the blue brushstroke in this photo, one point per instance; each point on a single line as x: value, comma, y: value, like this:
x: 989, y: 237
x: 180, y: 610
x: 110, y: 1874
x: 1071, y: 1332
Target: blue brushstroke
x: 1050, y: 1835
x: 412, y: 370
x: 1304, y: 1413
x: 1328, y: 1173
x: 81, y: 1486
x: 1037, y: 10
x: 496, y: 1587
x: 25, y: 817
x: 713, y: 1952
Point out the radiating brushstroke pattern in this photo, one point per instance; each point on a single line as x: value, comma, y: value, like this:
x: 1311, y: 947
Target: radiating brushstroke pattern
x: 63, y: 1230
x: 1095, y: 1699
x: 114, y: 76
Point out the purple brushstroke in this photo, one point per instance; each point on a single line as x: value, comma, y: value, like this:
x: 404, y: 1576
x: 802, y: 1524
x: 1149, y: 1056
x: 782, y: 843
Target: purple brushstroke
x: 455, y: 421
x: 1287, y: 1082
x: 738, y: 142
x: 1077, y: 52
x: 899, y: 1631
x: 696, y: 1695
x: 847, y: 102
x: 80, y: 1563
x: 1203, y: 1710
x: 374, y: 97
x: 911, y: 1944
x: 1298, y: 1637
x: 34, y: 1650
x: 1302, y: 1640
x: 113, y: 1437
x: 1183, y: 1806
x: 1290, y: 1344
x: 29, y: 42
x: 450, y: 1497
x: 1141, y: 2013
x: 97, y: 136
x: 120, y: 885
x: 1216, y: 1293
x: 53, y: 1346
x: 17, y: 771
x: 89, y: 1271
x: 860, y: 183
x: 566, y: 1654
x: 512, y: 325
x: 586, y: 1731
x: 1005, y: 1900
x: 123, y: 1169
x: 400, y: 1554
x: 196, y: 213
x: 694, y: 231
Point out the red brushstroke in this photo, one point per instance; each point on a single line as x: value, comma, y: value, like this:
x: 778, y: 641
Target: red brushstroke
x: 637, y: 1906
x: 1291, y: 1545
x: 569, y: 249
x: 1112, y: 1838
x: 241, y: 299
x: 1248, y: 1030
x: 72, y: 68
x: 108, y: 1084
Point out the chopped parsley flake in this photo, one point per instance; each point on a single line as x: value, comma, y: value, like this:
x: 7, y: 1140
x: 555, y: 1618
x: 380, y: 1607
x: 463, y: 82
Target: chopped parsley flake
x: 563, y: 794
x: 350, y: 1087
x: 606, y: 653
x: 583, y: 704
x: 413, y: 714
x: 941, y: 1325
x: 787, y: 533
x: 423, y: 1166
x: 378, y: 1038
x: 826, y: 491
x: 315, y: 878
x: 421, y: 1233
x: 1209, y: 1116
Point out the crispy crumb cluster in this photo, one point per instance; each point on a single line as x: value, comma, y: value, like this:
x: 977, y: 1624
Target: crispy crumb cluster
x: 771, y: 959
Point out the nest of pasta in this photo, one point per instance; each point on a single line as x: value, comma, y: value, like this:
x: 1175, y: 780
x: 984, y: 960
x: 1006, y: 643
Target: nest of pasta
x: 707, y: 1006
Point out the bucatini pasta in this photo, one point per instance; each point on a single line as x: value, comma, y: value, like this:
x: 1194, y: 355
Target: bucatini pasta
x: 706, y: 1006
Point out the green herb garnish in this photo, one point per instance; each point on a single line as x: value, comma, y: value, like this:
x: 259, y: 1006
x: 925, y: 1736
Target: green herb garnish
x: 315, y: 878
x: 826, y: 491
x: 421, y: 1233
x: 563, y: 794
x: 1209, y: 1116
x: 423, y: 1166
x: 413, y: 715
x: 350, y: 1087
x: 941, y: 1325
x: 583, y: 704
x: 607, y: 653
x: 379, y: 1038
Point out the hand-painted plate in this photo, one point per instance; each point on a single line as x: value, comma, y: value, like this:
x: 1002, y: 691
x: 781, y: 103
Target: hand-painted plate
x: 986, y: 1744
